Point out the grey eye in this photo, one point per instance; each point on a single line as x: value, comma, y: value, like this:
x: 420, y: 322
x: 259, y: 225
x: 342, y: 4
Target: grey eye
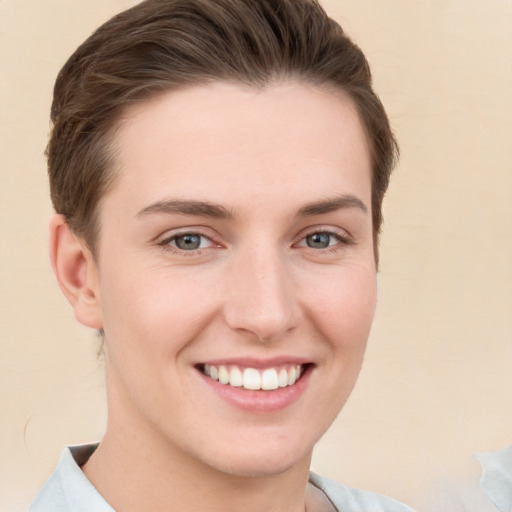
x: 188, y: 242
x: 319, y: 240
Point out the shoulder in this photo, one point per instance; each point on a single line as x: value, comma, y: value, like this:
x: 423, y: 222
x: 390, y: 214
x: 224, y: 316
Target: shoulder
x: 355, y: 500
x: 67, y: 489
x: 50, y: 497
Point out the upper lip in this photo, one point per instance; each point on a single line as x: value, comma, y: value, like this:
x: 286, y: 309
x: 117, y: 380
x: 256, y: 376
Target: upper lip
x: 257, y: 363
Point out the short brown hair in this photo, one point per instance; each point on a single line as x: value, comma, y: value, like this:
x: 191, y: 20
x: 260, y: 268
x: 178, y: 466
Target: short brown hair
x: 166, y: 44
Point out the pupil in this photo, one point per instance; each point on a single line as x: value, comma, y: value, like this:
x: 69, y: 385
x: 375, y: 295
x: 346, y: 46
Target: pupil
x: 318, y: 240
x: 188, y: 242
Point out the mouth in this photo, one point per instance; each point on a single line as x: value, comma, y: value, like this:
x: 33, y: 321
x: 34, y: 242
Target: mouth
x: 266, y: 379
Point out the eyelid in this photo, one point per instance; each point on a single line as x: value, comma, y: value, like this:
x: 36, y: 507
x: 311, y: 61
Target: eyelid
x: 342, y: 240
x: 165, y: 239
x: 339, y: 233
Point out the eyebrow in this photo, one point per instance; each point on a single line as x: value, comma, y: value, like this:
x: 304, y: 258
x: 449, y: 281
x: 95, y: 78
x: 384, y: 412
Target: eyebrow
x: 188, y: 207
x: 217, y: 211
x: 332, y: 205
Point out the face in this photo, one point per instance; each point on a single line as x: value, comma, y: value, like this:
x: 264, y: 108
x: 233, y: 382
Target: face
x: 235, y: 272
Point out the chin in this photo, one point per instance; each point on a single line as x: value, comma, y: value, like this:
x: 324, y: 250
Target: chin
x: 263, y: 459
x: 262, y: 467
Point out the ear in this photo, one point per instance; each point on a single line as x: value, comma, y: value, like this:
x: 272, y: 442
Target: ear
x: 76, y: 272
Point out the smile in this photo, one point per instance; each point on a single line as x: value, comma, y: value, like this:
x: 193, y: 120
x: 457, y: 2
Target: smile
x: 267, y: 379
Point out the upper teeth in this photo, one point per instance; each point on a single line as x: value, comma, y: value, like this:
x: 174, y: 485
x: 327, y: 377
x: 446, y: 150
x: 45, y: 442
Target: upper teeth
x: 250, y: 378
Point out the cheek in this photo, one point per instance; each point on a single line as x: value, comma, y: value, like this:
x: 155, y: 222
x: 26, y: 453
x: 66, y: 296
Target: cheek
x: 346, y: 308
x: 154, y: 309
x: 345, y: 315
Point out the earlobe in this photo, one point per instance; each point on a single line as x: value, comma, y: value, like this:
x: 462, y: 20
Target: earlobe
x: 76, y: 272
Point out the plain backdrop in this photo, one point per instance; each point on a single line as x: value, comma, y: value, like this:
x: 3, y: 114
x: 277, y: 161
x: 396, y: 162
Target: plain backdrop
x: 437, y: 380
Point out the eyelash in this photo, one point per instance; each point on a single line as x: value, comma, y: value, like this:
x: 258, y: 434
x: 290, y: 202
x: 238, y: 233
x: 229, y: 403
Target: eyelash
x: 165, y: 243
x: 342, y: 240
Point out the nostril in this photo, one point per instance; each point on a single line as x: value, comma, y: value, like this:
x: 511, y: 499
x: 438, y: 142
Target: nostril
x: 261, y: 299
x: 266, y: 325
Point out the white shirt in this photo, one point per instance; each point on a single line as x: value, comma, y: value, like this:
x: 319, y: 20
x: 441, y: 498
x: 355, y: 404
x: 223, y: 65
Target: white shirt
x: 68, y: 490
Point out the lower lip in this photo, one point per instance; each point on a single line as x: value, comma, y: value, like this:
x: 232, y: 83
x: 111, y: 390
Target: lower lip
x: 260, y: 401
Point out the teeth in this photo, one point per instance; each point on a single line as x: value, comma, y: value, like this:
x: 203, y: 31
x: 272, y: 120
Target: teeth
x: 282, y: 379
x: 235, y: 377
x: 269, y: 379
x: 223, y: 375
x: 292, y: 376
x: 250, y: 378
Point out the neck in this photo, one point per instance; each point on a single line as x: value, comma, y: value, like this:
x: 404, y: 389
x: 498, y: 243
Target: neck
x: 138, y: 472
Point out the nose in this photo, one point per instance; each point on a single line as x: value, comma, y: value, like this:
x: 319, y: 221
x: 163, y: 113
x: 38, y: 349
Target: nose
x: 262, y: 297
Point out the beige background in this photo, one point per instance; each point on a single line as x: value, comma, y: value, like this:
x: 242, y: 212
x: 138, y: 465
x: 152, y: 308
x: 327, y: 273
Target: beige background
x: 437, y: 382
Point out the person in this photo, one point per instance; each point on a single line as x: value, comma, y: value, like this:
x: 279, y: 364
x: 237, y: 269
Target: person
x: 217, y: 168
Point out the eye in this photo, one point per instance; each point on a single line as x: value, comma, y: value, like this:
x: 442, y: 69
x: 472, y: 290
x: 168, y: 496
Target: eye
x: 323, y: 240
x: 320, y: 240
x: 187, y: 242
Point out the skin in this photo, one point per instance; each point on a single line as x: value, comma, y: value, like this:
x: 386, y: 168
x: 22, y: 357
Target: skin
x: 255, y: 289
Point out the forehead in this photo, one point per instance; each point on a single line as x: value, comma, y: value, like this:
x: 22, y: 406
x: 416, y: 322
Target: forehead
x: 231, y: 138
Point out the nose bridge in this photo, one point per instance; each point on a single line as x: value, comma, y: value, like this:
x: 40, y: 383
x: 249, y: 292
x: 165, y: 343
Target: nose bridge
x: 262, y: 298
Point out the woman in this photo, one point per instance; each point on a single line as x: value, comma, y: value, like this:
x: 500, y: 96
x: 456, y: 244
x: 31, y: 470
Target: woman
x: 217, y: 170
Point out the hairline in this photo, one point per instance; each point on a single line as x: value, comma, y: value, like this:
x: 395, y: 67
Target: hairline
x: 110, y: 143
